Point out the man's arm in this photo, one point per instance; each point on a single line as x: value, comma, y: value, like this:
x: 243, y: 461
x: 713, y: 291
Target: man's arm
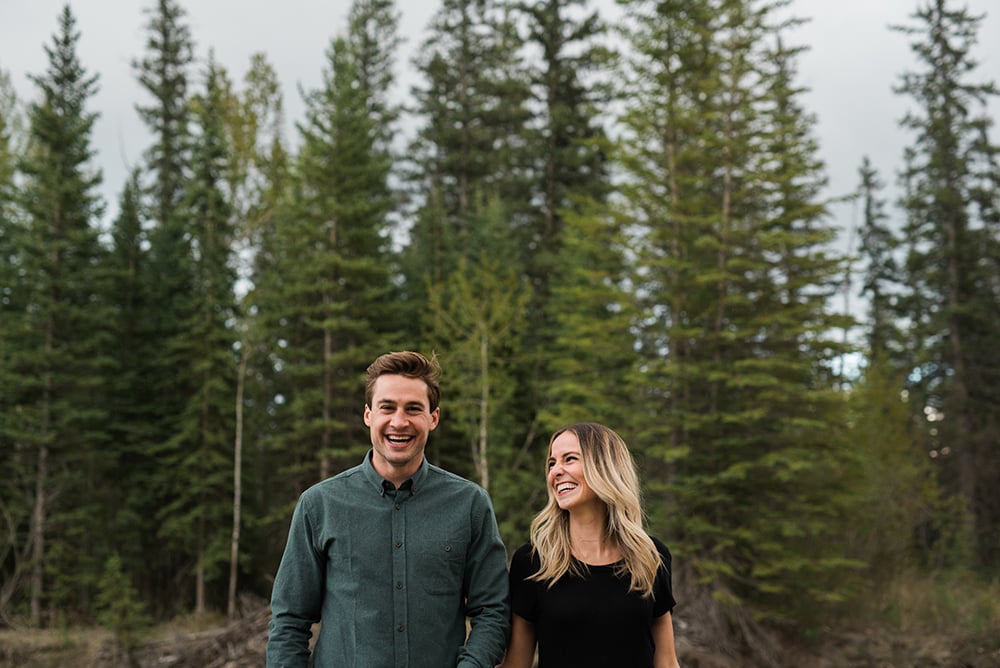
x: 487, y: 590
x: 296, y: 598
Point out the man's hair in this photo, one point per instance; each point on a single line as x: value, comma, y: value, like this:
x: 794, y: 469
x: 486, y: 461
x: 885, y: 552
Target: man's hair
x: 410, y: 365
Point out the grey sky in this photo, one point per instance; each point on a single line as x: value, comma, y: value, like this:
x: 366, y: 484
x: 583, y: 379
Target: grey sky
x: 853, y: 62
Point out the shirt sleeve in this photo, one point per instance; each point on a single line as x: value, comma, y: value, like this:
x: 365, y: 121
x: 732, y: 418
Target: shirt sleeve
x: 296, y: 598
x: 487, y: 590
x: 663, y: 591
x: 523, y: 592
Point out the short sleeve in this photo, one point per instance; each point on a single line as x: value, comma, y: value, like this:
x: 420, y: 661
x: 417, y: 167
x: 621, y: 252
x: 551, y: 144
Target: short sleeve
x: 524, y: 592
x: 663, y: 591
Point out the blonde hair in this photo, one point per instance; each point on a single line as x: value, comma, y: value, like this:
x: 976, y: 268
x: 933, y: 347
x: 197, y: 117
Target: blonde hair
x: 609, y: 471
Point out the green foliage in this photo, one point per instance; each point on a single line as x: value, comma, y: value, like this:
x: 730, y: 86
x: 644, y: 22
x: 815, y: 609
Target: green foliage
x: 673, y: 281
x: 950, y: 300
x: 733, y: 276
x: 56, y: 354
x: 895, y: 494
x: 468, y: 147
x: 476, y: 322
x: 329, y: 292
x: 119, y: 608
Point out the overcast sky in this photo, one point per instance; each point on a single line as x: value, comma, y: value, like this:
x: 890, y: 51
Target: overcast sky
x: 852, y: 63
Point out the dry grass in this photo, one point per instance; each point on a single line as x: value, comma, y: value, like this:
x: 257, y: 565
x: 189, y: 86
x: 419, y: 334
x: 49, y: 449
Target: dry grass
x: 951, y: 603
x: 33, y: 648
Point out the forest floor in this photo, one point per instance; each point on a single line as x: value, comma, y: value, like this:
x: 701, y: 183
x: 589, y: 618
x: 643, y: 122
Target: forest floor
x: 241, y: 644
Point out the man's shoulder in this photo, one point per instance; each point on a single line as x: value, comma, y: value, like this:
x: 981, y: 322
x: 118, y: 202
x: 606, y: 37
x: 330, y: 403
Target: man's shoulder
x: 455, y: 486
x: 346, y: 478
x: 442, y: 476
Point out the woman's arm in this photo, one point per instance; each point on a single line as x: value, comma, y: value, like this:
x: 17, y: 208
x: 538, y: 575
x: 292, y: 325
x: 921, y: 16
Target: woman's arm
x: 665, y: 654
x: 521, y: 649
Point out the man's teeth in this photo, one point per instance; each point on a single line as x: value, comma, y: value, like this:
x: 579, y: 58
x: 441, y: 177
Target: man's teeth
x: 398, y: 439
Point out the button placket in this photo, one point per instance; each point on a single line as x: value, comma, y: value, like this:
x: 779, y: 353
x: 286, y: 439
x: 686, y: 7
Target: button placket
x: 399, y: 594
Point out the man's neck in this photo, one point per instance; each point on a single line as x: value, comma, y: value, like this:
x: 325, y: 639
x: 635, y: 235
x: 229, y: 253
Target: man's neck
x: 396, y: 475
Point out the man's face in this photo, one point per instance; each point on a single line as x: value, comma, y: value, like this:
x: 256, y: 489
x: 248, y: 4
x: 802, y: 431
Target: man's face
x: 400, y: 420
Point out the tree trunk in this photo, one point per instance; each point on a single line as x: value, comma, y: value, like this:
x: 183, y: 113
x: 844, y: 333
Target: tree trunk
x: 38, y: 536
x: 234, y: 550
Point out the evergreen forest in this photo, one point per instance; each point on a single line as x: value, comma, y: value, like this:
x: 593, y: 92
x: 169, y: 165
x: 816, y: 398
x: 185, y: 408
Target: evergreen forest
x: 616, y: 223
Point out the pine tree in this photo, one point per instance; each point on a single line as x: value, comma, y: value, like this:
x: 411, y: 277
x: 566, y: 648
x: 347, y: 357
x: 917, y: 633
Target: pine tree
x: 951, y: 209
x: 734, y: 274
x: 60, y: 356
x: 167, y: 281
x: 477, y: 312
x: 329, y: 290
x: 120, y: 609
x: 130, y: 419
x: 468, y: 148
x: 198, y: 452
x: 15, y: 484
x: 878, y: 249
x: 568, y: 148
x: 258, y: 168
x: 571, y: 151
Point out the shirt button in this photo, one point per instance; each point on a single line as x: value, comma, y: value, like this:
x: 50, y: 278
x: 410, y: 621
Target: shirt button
x: 399, y: 544
x: 399, y: 585
x: 400, y: 628
x: 397, y: 506
x: 447, y: 548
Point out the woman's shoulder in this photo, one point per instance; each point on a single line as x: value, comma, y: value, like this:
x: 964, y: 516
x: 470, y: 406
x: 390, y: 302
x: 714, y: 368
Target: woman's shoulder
x: 662, y: 549
x: 524, y: 562
x: 524, y: 553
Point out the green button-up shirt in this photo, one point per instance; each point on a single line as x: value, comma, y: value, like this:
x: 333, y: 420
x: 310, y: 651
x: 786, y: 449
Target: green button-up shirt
x: 391, y: 574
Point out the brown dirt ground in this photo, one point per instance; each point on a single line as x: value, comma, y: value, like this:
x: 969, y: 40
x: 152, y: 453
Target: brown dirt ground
x: 241, y: 644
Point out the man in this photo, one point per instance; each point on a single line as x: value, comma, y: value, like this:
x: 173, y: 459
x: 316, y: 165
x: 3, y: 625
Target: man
x: 393, y: 555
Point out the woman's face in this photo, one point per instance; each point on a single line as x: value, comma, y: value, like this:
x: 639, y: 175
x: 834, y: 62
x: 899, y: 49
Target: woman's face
x: 566, y: 478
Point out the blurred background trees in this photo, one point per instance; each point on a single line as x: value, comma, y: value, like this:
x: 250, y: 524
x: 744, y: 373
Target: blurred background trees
x: 635, y: 235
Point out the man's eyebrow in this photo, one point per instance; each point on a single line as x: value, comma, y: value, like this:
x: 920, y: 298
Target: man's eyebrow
x: 408, y: 404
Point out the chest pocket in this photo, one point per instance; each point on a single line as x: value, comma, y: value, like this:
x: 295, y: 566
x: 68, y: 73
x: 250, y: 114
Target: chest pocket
x: 439, y: 565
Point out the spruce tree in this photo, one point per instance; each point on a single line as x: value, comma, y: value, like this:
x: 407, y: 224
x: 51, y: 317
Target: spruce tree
x: 477, y: 313
x: 257, y: 173
x: 473, y: 115
x: 167, y: 281
x: 327, y: 297
x: 734, y: 274
x: 130, y: 419
x: 199, y: 452
x: 950, y: 203
x: 15, y: 484
x: 59, y: 354
x: 568, y: 150
x: 879, y: 247
x: 570, y: 153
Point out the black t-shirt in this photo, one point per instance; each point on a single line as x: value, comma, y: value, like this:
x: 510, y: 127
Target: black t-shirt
x: 592, y: 621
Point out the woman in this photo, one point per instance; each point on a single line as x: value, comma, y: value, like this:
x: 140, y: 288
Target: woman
x: 591, y: 588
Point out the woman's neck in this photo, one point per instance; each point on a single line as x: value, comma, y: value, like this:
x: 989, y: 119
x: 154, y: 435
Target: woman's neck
x: 588, y: 537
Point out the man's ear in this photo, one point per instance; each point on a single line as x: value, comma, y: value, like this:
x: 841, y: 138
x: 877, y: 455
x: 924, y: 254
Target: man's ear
x: 435, y: 418
x: 367, y: 415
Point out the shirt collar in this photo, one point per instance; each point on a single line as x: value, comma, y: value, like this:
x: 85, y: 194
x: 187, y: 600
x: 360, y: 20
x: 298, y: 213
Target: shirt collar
x: 371, y: 475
